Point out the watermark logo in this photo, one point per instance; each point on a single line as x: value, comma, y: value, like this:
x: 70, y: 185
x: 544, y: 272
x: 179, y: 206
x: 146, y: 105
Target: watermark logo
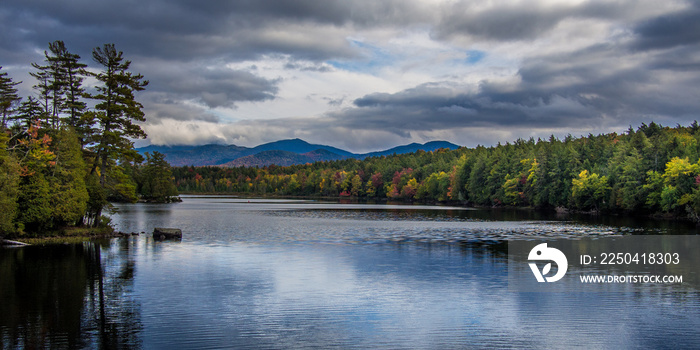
x: 543, y: 253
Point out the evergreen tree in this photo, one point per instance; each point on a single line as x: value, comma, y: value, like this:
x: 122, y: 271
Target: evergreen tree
x: 44, y: 92
x: 156, y: 179
x: 34, y: 203
x: 9, y: 187
x: 116, y: 109
x: 28, y: 113
x: 115, y: 115
x: 69, y: 195
x: 73, y: 74
x: 8, y: 97
x: 34, y: 200
x: 53, y: 82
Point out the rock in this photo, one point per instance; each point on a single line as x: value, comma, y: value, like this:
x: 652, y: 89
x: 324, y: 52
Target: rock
x: 167, y: 233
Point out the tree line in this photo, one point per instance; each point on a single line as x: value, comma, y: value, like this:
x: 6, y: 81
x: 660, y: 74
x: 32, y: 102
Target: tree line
x: 650, y: 170
x: 67, y: 151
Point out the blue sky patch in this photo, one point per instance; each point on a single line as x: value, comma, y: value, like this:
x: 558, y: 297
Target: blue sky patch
x: 474, y: 56
x: 374, y: 58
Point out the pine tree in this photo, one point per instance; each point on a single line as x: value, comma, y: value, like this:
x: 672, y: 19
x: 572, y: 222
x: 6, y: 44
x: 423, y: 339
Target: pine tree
x: 60, y: 86
x: 156, y: 179
x: 52, y: 82
x: 75, y: 73
x: 8, y: 97
x: 28, y: 113
x: 115, y: 115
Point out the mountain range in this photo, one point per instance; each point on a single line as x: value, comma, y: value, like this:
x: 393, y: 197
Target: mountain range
x: 283, y: 153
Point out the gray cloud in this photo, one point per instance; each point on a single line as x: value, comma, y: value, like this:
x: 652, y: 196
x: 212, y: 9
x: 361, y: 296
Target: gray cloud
x: 186, y: 30
x: 518, y: 21
x: 213, y: 85
x: 308, y: 67
x: 678, y: 29
x: 609, y: 84
x: 647, y: 69
x: 160, y: 105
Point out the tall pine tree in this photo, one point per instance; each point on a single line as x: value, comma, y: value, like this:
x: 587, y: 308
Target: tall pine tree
x: 115, y: 114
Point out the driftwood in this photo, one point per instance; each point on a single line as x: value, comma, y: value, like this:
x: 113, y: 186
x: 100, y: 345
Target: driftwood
x: 12, y: 243
x: 161, y: 233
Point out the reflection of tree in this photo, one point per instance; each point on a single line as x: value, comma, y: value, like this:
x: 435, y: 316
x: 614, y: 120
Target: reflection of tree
x: 41, y: 296
x: 68, y: 296
x: 111, y: 315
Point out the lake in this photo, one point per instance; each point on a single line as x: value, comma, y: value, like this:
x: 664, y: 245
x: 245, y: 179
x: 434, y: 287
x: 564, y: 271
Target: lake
x: 280, y: 274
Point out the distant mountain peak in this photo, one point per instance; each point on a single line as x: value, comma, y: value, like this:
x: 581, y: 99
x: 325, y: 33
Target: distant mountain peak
x: 282, y: 152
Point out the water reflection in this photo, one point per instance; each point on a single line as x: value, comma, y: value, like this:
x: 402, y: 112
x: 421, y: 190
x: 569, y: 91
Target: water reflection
x: 40, y: 295
x: 68, y: 296
x: 284, y: 275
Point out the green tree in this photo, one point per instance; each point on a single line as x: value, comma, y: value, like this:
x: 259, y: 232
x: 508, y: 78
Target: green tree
x: 74, y: 74
x: 52, y: 82
x: 115, y: 115
x: 356, y: 186
x: 589, y: 191
x: 435, y: 187
x: 679, y: 183
x: 120, y: 187
x: 117, y: 110
x: 8, y: 97
x: 34, y: 200
x: 478, y: 193
x: 34, y: 203
x: 9, y: 187
x: 631, y: 181
x: 97, y: 200
x: 69, y: 195
x: 28, y: 113
x: 156, y: 179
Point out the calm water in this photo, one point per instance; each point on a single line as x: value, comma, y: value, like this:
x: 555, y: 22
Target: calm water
x: 280, y: 274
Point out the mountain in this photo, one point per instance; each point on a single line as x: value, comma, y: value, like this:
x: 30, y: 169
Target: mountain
x: 298, y: 146
x: 283, y: 153
x: 283, y: 158
x: 321, y: 155
x: 413, y: 147
x: 197, y: 155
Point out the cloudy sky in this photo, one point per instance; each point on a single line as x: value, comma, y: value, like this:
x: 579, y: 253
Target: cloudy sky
x: 366, y: 75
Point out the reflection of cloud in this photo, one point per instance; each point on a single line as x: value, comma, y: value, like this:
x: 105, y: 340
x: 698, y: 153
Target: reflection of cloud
x: 247, y: 279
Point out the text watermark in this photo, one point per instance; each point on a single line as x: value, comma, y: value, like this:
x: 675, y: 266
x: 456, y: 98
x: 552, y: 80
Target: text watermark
x: 600, y: 264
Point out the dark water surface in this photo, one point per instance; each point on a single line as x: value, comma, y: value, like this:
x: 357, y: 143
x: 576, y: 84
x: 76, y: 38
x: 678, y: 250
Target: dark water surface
x: 278, y: 274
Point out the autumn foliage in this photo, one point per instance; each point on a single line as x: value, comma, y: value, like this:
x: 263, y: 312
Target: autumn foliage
x: 652, y: 169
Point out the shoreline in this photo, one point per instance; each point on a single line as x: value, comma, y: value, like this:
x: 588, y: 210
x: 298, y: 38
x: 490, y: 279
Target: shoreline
x: 71, y: 235
x: 558, y: 210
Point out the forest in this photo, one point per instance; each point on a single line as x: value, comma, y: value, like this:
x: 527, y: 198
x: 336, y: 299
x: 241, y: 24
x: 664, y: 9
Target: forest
x: 67, y: 151
x: 653, y: 170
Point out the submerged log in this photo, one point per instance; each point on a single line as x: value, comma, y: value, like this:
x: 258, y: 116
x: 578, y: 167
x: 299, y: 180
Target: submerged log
x: 167, y: 233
